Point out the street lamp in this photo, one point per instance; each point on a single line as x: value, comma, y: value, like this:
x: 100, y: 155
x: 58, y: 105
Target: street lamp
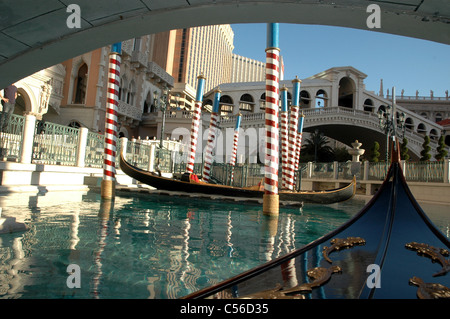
x: 161, y: 103
x: 389, y: 124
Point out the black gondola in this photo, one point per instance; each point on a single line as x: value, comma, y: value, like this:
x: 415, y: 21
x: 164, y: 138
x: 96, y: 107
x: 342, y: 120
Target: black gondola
x: 186, y: 185
x: 389, y: 250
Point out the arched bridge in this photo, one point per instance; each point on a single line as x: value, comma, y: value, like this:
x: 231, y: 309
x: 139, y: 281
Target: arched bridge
x: 38, y: 34
x: 343, y: 124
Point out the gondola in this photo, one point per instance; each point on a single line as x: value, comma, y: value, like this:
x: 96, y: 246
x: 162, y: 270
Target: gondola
x: 389, y: 250
x: 186, y: 184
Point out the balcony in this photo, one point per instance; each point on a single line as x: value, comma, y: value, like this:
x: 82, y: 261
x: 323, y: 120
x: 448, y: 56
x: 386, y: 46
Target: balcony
x: 139, y: 60
x: 157, y: 72
x: 129, y: 111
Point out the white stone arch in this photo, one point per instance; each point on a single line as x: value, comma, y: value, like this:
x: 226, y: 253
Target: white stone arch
x: 29, y: 97
x: 227, y: 104
x: 347, y: 90
x: 434, y: 134
x: 369, y: 105
x: 321, y: 97
x: 422, y: 128
x: 247, y: 103
x: 124, y: 131
x: 409, y: 123
x: 306, y: 98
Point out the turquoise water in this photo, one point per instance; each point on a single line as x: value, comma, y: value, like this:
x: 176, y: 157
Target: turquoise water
x: 150, y: 246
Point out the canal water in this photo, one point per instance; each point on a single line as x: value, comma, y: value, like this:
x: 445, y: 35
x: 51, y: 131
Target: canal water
x: 150, y: 246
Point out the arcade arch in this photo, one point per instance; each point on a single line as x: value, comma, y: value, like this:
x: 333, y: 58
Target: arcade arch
x: 226, y: 105
x: 409, y: 123
x: 347, y: 91
x: 24, y: 103
x: 421, y: 129
x: 368, y: 105
x: 321, y: 98
x: 305, y: 99
x: 246, y: 103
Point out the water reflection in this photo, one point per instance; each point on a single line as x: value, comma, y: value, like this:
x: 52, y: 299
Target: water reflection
x: 147, y: 246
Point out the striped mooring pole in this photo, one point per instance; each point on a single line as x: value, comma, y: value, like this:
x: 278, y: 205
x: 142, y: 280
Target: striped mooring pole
x: 108, y: 184
x: 195, y: 124
x: 271, y: 197
x: 211, y: 136
x: 284, y: 137
x: 235, y: 145
x: 293, y: 125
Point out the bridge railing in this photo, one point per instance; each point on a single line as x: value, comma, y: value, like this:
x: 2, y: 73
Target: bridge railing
x: 62, y: 145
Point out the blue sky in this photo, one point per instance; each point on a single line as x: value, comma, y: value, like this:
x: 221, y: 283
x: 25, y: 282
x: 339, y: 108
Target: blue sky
x: 406, y: 63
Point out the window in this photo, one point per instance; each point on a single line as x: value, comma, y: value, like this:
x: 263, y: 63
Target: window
x: 131, y: 93
x: 246, y: 103
x: 80, y: 84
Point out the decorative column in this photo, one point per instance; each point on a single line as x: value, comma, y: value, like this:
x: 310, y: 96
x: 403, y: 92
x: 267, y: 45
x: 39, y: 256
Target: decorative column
x: 211, y: 136
x: 293, y: 126
x: 28, y: 139
x: 298, y: 146
x: 270, y: 197
x: 284, y: 137
x: 235, y: 145
x: 81, y: 149
x: 109, y: 159
x: 195, y: 124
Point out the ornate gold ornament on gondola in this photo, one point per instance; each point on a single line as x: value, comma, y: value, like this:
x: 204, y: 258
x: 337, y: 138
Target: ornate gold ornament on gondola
x: 318, y: 275
x: 430, y: 290
x: 341, y: 243
x: 436, y: 255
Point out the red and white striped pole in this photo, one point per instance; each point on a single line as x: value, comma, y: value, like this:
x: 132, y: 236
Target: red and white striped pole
x: 109, y: 160
x: 270, y: 197
x: 211, y: 136
x: 235, y: 145
x: 293, y: 125
x: 195, y: 124
x: 284, y: 137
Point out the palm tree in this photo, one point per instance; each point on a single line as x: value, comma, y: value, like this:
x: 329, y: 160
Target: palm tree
x: 317, y: 145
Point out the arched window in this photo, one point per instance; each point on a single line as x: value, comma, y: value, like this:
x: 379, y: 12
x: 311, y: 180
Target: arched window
x: 80, y: 84
x: 147, y: 103
x: 321, y: 98
x: 246, y: 103
x: 305, y: 99
x: 434, y: 135
x: 368, y: 105
x: 262, y: 102
x: 438, y: 117
x: 421, y: 129
x: 207, y: 105
x: 123, y: 89
x: 131, y: 93
x: 74, y: 124
x: 409, y: 123
x: 226, y: 105
x: 347, y: 92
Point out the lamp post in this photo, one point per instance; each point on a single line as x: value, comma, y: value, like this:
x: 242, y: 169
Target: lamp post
x: 389, y: 123
x: 161, y: 103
